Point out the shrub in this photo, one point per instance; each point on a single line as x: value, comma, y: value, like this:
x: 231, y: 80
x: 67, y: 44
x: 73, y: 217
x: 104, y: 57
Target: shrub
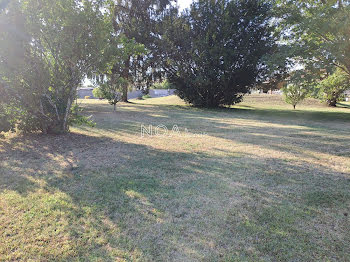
x: 146, y: 96
x: 97, y: 92
x: 76, y: 118
x: 5, y: 120
x: 333, y: 87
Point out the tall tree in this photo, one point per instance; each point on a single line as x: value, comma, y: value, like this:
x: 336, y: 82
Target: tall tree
x: 317, y: 33
x: 46, y: 48
x: 215, y: 50
x: 133, y: 54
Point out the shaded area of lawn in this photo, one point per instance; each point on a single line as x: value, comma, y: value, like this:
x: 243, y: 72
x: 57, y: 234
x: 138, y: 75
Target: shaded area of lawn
x: 258, y: 187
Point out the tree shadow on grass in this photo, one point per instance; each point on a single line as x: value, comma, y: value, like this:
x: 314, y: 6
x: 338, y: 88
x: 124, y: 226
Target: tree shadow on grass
x: 104, y: 191
x: 321, y: 132
x: 128, y: 201
x: 342, y: 105
x: 252, y: 112
x: 282, y: 130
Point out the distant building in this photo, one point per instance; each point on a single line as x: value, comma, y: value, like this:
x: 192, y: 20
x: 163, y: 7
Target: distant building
x: 161, y: 92
x: 85, y: 91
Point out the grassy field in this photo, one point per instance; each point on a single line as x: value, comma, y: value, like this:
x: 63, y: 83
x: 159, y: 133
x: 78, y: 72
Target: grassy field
x: 256, y: 182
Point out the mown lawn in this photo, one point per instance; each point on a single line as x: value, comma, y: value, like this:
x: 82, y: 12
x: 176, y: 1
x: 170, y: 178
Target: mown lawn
x: 256, y: 182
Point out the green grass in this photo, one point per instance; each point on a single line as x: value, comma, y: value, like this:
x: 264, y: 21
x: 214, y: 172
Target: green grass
x: 262, y: 182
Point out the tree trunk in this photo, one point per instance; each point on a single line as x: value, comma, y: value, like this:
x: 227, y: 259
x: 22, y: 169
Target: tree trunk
x: 332, y: 102
x: 60, y: 125
x: 43, y: 123
x: 126, y: 78
x: 66, y: 116
x: 294, y: 106
x: 125, y: 94
x: 340, y: 3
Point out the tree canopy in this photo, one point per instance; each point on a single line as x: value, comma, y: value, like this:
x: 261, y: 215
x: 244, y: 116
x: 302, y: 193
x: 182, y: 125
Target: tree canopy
x: 46, y: 49
x: 212, y: 53
x: 317, y: 33
x: 217, y: 49
x: 133, y: 53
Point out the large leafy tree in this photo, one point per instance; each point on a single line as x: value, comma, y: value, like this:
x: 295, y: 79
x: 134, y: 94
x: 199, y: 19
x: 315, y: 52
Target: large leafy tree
x: 215, y: 50
x: 133, y: 53
x: 317, y: 33
x: 110, y: 73
x: 46, y: 49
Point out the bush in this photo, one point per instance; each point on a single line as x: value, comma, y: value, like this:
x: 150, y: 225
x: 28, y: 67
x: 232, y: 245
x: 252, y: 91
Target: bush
x: 5, y: 120
x: 333, y: 87
x: 97, y: 92
x: 146, y: 97
x: 76, y: 118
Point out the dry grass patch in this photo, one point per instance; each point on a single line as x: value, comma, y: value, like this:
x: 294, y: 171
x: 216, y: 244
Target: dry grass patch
x: 264, y: 183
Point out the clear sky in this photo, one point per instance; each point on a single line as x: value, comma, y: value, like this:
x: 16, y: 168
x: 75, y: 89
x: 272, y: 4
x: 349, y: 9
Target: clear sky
x: 184, y: 3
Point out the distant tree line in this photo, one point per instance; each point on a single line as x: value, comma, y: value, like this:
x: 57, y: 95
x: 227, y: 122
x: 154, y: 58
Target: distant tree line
x: 212, y: 53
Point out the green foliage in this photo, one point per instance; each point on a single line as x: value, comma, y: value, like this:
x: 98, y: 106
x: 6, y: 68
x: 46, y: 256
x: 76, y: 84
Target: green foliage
x: 133, y: 49
x: 146, y: 97
x: 76, y: 118
x: 112, y: 74
x: 215, y: 49
x: 315, y: 34
x: 111, y: 90
x: 97, y: 92
x: 5, y: 120
x: 46, y: 48
x: 294, y: 94
x: 163, y: 85
x: 333, y: 87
